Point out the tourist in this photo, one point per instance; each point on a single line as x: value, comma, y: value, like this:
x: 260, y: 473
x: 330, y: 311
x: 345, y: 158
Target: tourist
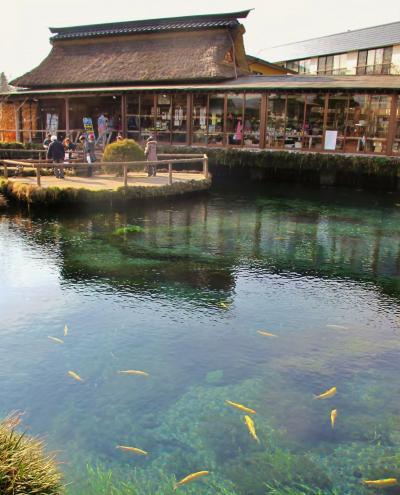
x: 89, y: 151
x: 69, y: 147
x: 47, y: 141
x: 119, y: 137
x: 150, y: 152
x: 56, y: 153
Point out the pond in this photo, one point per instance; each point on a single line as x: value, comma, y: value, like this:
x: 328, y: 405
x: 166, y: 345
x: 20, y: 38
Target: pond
x: 180, y: 291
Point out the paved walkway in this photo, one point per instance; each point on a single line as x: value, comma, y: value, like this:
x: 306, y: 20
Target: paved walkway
x: 101, y: 182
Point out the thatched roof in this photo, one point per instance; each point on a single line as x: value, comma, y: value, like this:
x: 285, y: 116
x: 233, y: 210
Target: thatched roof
x: 182, y: 56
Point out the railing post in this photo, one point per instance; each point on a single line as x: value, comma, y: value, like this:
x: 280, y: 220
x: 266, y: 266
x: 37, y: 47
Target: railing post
x: 125, y: 175
x: 170, y: 173
x: 5, y: 170
x: 38, y: 176
x: 205, y: 166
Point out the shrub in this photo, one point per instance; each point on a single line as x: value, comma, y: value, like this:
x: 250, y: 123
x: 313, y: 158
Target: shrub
x: 24, y: 468
x: 126, y: 150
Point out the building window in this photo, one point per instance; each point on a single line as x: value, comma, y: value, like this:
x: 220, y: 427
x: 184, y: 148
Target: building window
x: 276, y: 120
x: 234, y: 118
x: 376, y: 61
x: 293, y: 65
x: 325, y: 65
x: 305, y: 66
x: 216, y: 119
x: 200, y: 118
x: 252, y: 113
x: 340, y: 64
x: 396, y: 142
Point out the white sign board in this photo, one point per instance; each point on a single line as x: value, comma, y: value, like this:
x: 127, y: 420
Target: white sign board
x: 330, y: 140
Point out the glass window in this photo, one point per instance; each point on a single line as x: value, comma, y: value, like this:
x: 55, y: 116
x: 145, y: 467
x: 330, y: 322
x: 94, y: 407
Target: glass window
x: 179, y: 118
x: 133, y: 116
x: 357, y: 122
x: 163, y: 118
x: 276, y: 117
x: 252, y: 114
x: 146, y: 114
x: 234, y: 118
x: 321, y: 65
x: 294, y: 121
x: 216, y: 119
x: 314, y: 121
x: 378, y: 123
x: 329, y: 65
x: 200, y: 118
x: 339, y: 64
x: 362, y: 62
x: 336, y: 117
x: 387, y: 60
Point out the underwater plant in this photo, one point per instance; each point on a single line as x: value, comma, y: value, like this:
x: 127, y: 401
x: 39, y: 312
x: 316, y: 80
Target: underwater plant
x: 24, y: 468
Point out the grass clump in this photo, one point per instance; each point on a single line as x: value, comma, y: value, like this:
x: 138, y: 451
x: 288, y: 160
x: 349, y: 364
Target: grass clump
x: 126, y: 150
x: 24, y: 467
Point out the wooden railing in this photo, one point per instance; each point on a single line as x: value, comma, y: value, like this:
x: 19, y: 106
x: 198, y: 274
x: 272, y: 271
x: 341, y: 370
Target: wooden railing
x: 167, y: 159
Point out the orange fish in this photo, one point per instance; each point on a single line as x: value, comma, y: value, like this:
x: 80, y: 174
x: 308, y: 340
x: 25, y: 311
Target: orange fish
x: 190, y: 477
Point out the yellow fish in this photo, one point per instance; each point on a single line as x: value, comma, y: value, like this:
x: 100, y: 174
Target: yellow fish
x: 266, y: 334
x: 190, y: 477
x: 133, y: 372
x: 223, y: 305
x: 55, y: 339
x: 132, y: 449
x: 250, y: 426
x: 386, y: 482
x: 65, y: 330
x: 241, y: 407
x: 333, y: 417
x: 75, y: 375
x: 327, y: 395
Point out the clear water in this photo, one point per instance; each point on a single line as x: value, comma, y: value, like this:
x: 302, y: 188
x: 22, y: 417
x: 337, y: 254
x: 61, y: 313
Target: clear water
x: 183, y: 300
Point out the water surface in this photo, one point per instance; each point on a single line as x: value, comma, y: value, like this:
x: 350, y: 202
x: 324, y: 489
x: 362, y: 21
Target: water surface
x: 182, y: 298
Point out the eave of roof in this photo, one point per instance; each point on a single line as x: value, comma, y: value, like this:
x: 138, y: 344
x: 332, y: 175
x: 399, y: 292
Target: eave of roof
x: 357, y: 39
x: 249, y: 83
x: 195, y: 22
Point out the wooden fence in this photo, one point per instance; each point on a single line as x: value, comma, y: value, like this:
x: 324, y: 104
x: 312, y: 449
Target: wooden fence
x: 166, y: 159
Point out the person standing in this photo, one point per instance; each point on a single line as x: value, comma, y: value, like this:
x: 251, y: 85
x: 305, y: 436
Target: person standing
x: 89, y: 152
x: 150, y: 152
x: 56, y: 153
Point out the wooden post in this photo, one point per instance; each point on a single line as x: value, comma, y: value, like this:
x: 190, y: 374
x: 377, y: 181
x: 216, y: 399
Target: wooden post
x: 17, y: 122
x: 125, y: 175
x: 38, y: 176
x: 66, y: 102
x: 124, y: 118
x: 392, y: 125
x: 205, y: 166
x: 170, y: 174
x: 5, y: 170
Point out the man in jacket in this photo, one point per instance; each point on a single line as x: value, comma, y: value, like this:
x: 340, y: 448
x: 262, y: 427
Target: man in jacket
x: 56, y: 153
x: 150, y: 152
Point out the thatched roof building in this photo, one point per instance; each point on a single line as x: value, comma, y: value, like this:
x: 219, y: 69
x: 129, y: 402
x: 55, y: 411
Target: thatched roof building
x: 195, y: 48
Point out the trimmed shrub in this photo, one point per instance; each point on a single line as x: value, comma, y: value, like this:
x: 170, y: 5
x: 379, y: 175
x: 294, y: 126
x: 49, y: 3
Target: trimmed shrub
x: 24, y: 468
x: 126, y: 150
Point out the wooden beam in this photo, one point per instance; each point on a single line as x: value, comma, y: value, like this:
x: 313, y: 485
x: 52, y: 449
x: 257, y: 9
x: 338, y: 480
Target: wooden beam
x: 124, y: 123
x: 263, y: 119
x: 66, y: 101
x: 189, y: 117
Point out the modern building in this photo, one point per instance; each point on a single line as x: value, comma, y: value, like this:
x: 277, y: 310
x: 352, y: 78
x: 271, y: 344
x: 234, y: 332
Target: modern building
x: 188, y: 80
x: 373, y: 50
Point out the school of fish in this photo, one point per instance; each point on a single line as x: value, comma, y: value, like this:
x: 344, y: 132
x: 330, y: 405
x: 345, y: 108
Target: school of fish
x: 388, y: 482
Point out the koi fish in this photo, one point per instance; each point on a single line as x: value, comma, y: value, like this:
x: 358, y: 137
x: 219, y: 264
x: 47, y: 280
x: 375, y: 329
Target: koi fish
x: 75, y: 375
x: 133, y: 372
x: 223, y: 305
x: 385, y: 482
x: 190, y: 477
x: 266, y: 334
x: 338, y: 327
x: 241, y: 407
x: 327, y: 395
x: 252, y: 429
x: 333, y: 417
x: 65, y: 330
x: 132, y: 449
x: 55, y: 339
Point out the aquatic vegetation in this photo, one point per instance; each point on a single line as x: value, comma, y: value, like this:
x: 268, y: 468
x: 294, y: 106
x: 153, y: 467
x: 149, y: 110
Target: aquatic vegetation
x: 24, y: 467
x: 129, y: 229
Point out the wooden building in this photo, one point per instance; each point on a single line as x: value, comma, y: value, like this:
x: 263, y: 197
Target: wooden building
x: 188, y: 80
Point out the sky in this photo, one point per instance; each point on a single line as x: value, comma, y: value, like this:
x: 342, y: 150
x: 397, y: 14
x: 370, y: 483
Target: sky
x: 25, y: 35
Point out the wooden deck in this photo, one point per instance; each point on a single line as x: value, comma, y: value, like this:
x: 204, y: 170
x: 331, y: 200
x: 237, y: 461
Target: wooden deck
x: 110, y: 182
